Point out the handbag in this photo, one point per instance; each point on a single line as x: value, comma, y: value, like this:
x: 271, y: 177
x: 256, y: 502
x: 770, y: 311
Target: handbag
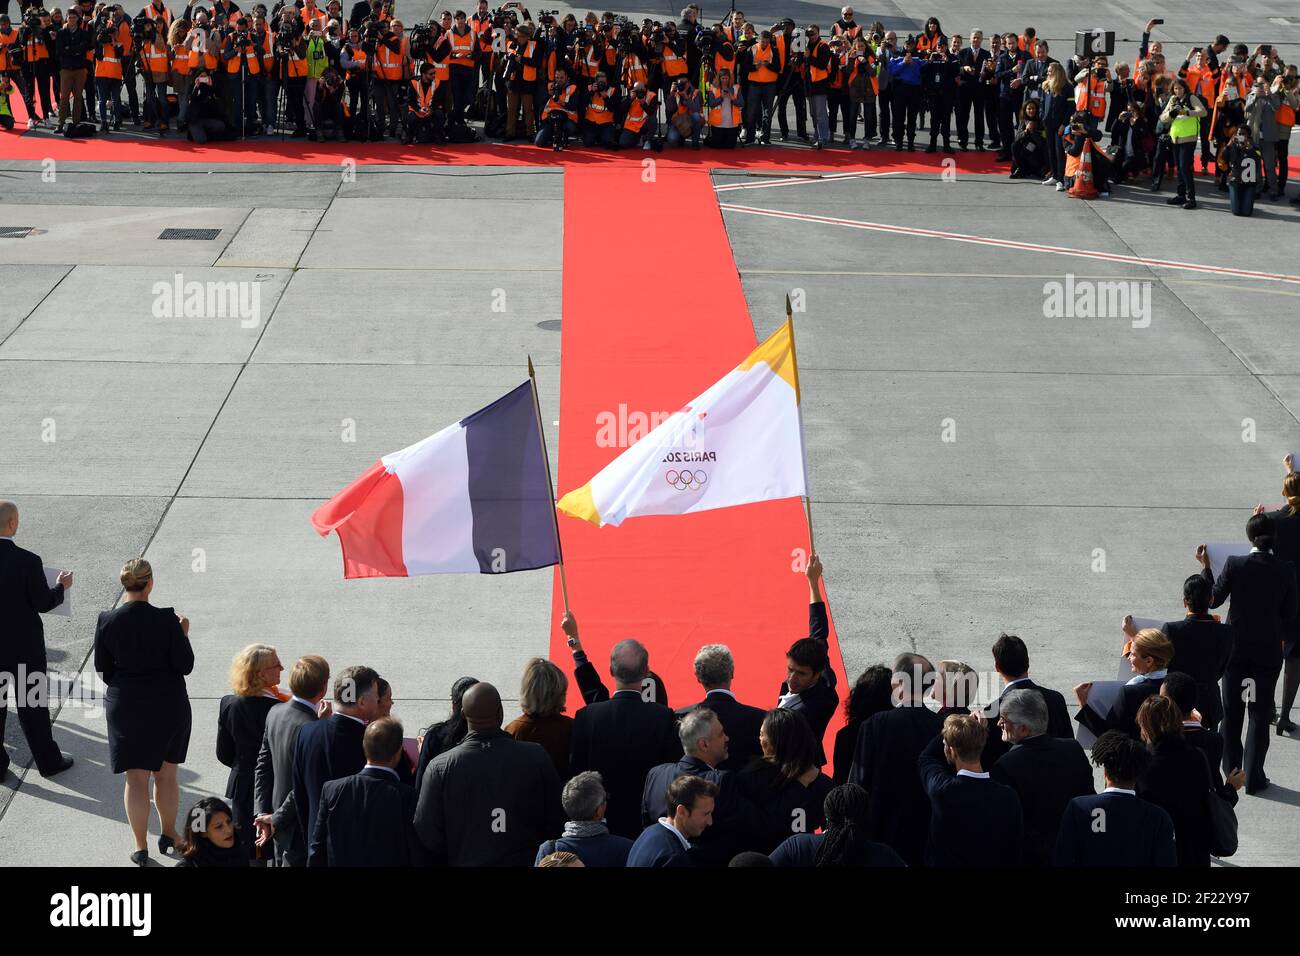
x: 1223, y: 826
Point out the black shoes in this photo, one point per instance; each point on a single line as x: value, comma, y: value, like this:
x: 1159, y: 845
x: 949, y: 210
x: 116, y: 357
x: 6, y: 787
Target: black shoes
x: 1260, y: 789
x: 1176, y: 200
x: 140, y: 857
x: 166, y: 845
x: 63, y: 765
x: 1285, y: 727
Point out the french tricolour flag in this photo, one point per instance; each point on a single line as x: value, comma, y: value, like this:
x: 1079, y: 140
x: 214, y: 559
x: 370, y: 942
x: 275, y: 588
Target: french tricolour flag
x: 474, y: 497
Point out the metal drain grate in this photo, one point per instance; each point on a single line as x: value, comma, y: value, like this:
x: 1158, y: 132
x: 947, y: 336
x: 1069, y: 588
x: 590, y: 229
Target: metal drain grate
x: 190, y: 234
x: 15, y: 232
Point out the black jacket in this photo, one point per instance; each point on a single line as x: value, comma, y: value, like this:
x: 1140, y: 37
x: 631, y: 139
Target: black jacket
x: 1201, y: 650
x: 740, y: 722
x: 24, y: 597
x: 1124, y: 717
x: 1059, y: 723
x: 819, y: 702
x: 1286, y: 533
x: 1178, y: 781
x: 1046, y: 773
x: 884, y: 765
x: 273, y: 778
x: 1137, y: 833
x: 71, y: 47
x: 1264, y: 604
x: 489, y: 801
x: 622, y: 738
x: 326, y: 750
x: 973, y: 821
x: 366, y: 820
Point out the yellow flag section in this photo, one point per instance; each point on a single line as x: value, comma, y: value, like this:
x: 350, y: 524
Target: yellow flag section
x: 739, y: 442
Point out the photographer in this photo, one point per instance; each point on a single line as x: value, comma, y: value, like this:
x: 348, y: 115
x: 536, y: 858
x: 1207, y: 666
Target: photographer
x: 1132, y: 136
x: 463, y: 64
x: 724, y: 111
x: 37, y: 37
x: 886, y: 48
x: 205, y: 114
x: 1287, y: 88
x: 1029, y: 157
x: 289, y: 71
x: 673, y: 63
x: 905, y: 87
x: 792, y: 84
x: 685, y: 114
x: 329, y: 115
x: 243, y: 68
x: 939, y: 93
x: 641, y: 121
x: 813, y: 69
x: 1078, y: 135
x: 108, y: 71
x: 860, y: 79
x: 598, y: 117
x: 717, y: 52
x: 1262, y: 104
x: 482, y: 23
x: 630, y: 48
x: 385, y: 43
x: 156, y: 68
x: 1201, y: 80
x: 1090, y: 91
x: 319, y: 60
x: 425, y: 122
x: 355, y: 64
x: 520, y: 69
x: 761, y: 65
x: 559, y: 121
x: 1243, y: 161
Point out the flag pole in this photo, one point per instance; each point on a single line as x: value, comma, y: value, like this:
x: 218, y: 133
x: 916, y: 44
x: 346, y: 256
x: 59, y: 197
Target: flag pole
x: 550, y: 484
x: 798, y: 397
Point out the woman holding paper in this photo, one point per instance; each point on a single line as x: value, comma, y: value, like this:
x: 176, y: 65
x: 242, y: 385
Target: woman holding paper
x: 1149, y: 657
x: 143, y: 654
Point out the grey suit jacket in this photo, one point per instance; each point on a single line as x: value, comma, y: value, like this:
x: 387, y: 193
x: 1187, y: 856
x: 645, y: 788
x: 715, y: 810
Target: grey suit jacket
x: 273, y: 779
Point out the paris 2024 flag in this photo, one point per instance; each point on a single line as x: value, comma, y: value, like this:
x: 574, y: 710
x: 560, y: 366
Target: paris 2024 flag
x: 474, y: 497
x: 738, y: 443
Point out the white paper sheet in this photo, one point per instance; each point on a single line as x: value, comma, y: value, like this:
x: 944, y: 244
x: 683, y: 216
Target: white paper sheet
x: 51, y: 579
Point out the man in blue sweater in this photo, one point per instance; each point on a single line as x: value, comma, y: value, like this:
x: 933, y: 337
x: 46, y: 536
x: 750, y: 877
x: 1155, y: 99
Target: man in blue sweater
x: 667, y: 842
x: 905, y: 84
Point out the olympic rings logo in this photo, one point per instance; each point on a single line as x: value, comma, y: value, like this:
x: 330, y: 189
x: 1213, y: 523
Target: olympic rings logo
x: 687, y: 480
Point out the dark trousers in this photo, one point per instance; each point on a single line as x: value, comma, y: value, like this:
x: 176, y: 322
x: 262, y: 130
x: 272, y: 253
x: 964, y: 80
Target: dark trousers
x: 793, y: 90
x: 425, y: 129
x: 968, y: 97
x: 723, y: 138
x: 128, y: 82
x: 384, y: 94
x: 758, y: 110
x: 1241, y: 198
x: 840, y: 111
x: 36, y: 85
x: 907, y: 102
x: 1007, y: 109
x: 1185, y: 156
x: 1056, y: 154
x: 988, y: 101
x: 34, y: 720
x: 886, y: 101
x: 1247, y: 698
x: 940, y: 109
x: 463, y: 88
x: 1280, y: 151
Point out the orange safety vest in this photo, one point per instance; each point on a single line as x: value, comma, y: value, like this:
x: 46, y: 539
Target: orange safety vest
x: 268, y: 53
x: 165, y: 16
x: 6, y: 41
x: 722, y: 63
x: 422, y: 97
x: 388, y: 65
x: 109, y: 64
x: 550, y: 66
x: 156, y: 61
x: 598, y: 111
x: 715, y: 112
x: 180, y: 62
x: 310, y: 12
x: 763, y: 71
x: 1200, y: 80
x: 853, y: 71
x: 1090, y: 96
x: 1243, y: 86
x: 559, y: 106
x: 1027, y: 45
x: 815, y: 73
x: 674, y: 65
x: 589, y: 65
x: 634, y: 71
x: 529, y: 70
x: 852, y: 32
x: 925, y: 43
x: 209, y: 60
x: 297, y: 65
x: 124, y: 38
x: 442, y: 69
x: 36, y: 50
x: 249, y: 55
x: 360, y: 59
x: 462, y: 49
x: 637, y: 113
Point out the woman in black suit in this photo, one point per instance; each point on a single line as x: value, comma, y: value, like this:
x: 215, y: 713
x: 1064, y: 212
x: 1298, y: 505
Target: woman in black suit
x: 444, y: 735
x: 872, y: 694
x: 1286, y: 546
x: 1177, y: 779
x: 1149, y: 655
x: 785, y: 784
x: 143, y: 653
x: 241, y: 724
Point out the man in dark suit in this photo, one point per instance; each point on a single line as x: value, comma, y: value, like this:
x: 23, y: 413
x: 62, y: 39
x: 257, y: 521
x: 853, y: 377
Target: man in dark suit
x: 623, y: 737
x: 715, y: 669
x: 1201, y: 648
x: 1046, y: 772
x: 332, y: 748
x: 491, y: 799
x: 24, y: 597
x: 884, y: 762
x: 1116, y: 827
x: 1011, y: 661
x: 970, y: 91
x: 809, y: 685
x: 667, y: 841
x: 367, y: 819
x: 1264, y: 601
x: 273, y: 778
x: 974, y: 820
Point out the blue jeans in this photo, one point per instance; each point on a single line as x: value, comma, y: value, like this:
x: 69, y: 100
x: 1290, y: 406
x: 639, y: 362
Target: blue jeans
x: 108, y: 91
x: 820, y: 118
x: 674, y: 138
x: 544, y: 131
x: 758, y: 109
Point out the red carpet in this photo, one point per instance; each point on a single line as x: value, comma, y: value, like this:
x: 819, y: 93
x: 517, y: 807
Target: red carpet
x: 674, y: 583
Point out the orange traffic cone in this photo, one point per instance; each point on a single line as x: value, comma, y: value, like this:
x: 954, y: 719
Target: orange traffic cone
x: 1084, y: 187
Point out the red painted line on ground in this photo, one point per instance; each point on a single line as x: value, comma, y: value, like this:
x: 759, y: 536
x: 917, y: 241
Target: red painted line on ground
x: 674, y: 583
x: 1013, y: 244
